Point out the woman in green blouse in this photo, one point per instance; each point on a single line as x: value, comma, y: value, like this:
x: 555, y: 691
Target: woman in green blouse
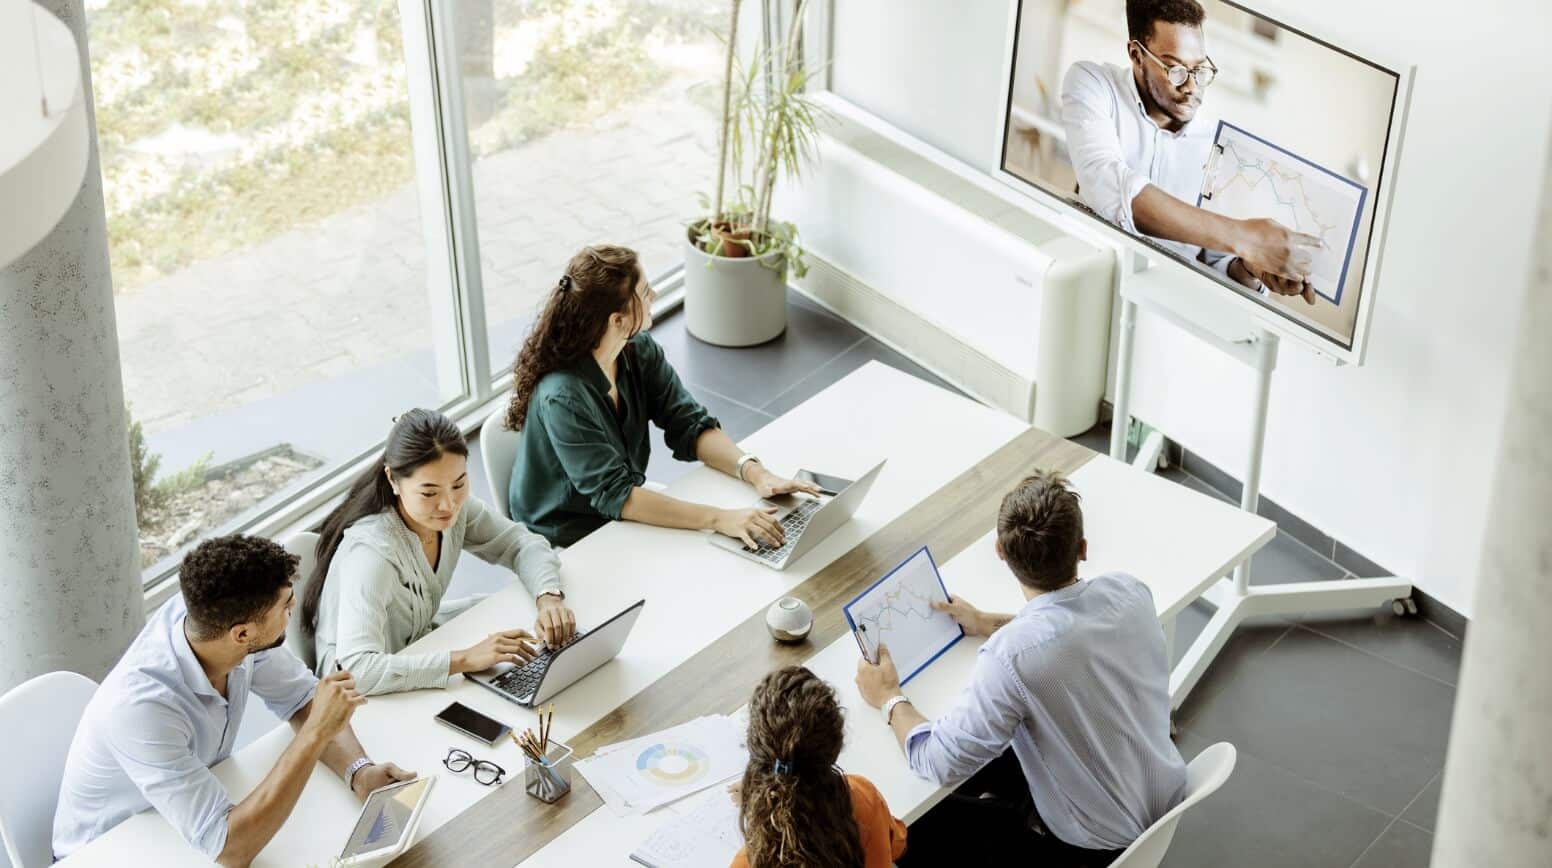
x: 586, y: 384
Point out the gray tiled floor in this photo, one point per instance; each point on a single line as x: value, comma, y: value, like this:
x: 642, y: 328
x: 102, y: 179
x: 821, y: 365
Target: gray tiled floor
x: 1341, y: 720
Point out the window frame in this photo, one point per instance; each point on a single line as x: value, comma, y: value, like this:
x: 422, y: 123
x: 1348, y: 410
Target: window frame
x: 459, y: 325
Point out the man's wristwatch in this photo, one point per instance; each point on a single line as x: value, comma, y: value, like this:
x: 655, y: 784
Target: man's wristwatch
x: 350, y: 771
x: 738, y: 469
x: 561, y: 595
x: 888, y: 708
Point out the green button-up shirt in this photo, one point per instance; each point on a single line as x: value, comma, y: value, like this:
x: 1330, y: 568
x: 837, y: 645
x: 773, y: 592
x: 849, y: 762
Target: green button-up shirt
x: 579, y: 459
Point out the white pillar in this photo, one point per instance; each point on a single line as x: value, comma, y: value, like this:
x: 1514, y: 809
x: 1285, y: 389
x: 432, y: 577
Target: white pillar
x: 69, y: 553
x: 1496, y: 807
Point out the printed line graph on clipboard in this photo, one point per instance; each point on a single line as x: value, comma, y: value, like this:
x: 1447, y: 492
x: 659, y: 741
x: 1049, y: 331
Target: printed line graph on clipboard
x: 1248, y: 177
x: 896, y: 611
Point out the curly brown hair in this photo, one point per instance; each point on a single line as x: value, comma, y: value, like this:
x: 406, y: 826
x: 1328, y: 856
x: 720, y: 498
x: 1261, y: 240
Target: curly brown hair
x: 599, y: 282
x: 796, y: 807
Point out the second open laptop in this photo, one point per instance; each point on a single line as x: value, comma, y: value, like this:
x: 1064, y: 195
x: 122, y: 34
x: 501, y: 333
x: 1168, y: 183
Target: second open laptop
x: 556, y: 669
x: 806, y: 521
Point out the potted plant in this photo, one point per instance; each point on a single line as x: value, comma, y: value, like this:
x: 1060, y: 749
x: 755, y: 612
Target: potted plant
x: 736, y: 257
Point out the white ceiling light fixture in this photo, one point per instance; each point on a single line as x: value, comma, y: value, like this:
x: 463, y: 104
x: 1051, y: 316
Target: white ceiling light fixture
x: 43, y: 139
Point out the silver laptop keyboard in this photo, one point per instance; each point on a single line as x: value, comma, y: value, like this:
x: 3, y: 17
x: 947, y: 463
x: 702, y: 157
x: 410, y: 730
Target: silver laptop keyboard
x: 523, y: 681
x: 793, y: 523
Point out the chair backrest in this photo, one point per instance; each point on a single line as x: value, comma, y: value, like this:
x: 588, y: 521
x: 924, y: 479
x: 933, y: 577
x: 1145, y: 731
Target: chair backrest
x: 305, y: 546
x: 498, y: 451
x: 39, y: 719
x: 1204, y: 776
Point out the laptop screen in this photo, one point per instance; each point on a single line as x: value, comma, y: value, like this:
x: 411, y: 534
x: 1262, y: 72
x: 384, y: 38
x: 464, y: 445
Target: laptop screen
x: 385, y: 818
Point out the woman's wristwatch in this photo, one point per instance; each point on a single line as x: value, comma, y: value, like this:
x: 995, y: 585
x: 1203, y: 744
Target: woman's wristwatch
x: 738, y: 469
x: 888, y: 708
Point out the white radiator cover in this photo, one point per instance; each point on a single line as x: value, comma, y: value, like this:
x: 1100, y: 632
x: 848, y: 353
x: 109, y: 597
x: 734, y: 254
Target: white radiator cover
x: 966, y: 283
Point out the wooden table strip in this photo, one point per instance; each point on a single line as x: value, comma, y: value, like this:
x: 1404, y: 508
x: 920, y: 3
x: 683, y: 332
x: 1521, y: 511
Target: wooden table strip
x: 508, y: 826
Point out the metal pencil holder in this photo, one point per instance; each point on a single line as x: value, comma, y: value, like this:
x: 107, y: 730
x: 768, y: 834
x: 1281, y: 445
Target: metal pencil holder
x: 552, y: 780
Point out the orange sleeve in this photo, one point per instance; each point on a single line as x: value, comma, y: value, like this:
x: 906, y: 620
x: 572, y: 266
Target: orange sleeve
x: 883, y: 836
x: 742, y: 859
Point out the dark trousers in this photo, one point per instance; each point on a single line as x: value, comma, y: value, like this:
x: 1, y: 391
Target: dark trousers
x: 1005, y: 829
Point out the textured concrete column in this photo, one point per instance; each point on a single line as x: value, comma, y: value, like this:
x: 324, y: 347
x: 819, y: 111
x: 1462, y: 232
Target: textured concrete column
x: 70, y: 593
x: 1497, y: 803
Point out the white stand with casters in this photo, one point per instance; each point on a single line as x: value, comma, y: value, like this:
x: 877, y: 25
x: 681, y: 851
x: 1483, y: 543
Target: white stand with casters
x: 1190, y: 307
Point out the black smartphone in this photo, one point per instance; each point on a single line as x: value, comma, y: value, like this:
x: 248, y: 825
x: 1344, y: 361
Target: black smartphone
x: 471, y: 723
x: 831, y: 485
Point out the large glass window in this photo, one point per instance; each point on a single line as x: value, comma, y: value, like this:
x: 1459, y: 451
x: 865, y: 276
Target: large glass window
x: 589, y: 121
x: 279, y: 283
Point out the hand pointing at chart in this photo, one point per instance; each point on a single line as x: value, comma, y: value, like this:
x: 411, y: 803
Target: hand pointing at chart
x: 1269, y: 247
x: 970, y: 619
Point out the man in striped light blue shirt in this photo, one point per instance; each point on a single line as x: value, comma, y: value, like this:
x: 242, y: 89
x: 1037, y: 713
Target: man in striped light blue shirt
x: 1076, y: 684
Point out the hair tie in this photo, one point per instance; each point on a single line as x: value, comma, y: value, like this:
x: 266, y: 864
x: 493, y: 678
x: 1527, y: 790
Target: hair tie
x: 565, y: 282
x: 781, y: 767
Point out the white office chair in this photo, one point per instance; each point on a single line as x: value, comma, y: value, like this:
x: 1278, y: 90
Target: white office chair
x: 1204, y: 776
x: 39, y: 718
x: 304, y: 545
x: 498, y: 450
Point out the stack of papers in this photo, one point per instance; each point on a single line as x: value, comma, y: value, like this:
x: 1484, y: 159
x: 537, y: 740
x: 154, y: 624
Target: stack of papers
x: 636, y: 776
x: 706, y: 836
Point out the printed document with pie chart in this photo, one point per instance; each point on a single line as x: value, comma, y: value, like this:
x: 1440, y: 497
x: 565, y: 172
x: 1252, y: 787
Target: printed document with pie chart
x: 635, y: 776
x: 897, y: 612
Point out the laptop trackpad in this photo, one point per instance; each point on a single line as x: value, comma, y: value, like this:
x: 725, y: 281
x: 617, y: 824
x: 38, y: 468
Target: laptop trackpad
x: 784, y: 504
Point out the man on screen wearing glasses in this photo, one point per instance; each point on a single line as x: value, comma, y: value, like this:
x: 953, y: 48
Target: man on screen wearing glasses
x: 1139, y: 157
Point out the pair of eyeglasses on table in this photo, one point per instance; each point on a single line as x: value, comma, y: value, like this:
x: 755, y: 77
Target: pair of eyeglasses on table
x: 485, y: 772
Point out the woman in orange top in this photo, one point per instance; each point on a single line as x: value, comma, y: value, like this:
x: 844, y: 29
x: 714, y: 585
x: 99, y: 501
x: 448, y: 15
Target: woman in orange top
x: 797, y: 810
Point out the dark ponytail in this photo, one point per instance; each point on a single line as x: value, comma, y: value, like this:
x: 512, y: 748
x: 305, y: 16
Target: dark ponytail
x: 418, y: 437
x: 795, y: 805
x: 598, y: 283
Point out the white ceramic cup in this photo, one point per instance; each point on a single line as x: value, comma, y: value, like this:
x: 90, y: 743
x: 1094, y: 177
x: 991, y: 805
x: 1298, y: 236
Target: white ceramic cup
x: 789, y: 619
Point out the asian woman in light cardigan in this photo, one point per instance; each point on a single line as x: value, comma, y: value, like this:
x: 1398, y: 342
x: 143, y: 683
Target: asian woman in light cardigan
x: 386, y: 557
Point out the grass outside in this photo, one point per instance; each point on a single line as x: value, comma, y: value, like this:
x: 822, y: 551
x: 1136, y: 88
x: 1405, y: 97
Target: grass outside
x: 222, y: 124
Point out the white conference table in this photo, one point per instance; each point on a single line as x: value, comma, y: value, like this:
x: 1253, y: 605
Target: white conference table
x: 1176, y: 540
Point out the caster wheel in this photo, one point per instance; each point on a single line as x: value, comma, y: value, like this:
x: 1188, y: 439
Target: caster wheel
x: 1403, y: 607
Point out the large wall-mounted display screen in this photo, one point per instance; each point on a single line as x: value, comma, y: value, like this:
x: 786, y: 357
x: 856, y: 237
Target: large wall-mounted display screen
x: 1244, y: 148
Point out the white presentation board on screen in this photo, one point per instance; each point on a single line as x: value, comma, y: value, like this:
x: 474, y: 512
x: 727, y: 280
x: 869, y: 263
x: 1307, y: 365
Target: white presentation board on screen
x: 1229, y: 146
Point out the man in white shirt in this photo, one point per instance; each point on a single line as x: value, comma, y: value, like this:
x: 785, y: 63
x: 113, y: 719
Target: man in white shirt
x: 171, y: 708
x: 1139, y: 140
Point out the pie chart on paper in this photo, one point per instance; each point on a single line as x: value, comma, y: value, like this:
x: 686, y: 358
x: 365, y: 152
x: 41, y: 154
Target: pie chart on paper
x: 672, y: 764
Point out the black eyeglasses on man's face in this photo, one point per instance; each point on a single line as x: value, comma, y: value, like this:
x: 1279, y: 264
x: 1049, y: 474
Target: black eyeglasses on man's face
x: 1177, y: 74
x: 485, y: 772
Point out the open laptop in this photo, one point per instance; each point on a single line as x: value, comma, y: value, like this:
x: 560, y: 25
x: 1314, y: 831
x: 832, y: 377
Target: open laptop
x: 556, y: 669
x: 806, y: 521
x: 387, y: 823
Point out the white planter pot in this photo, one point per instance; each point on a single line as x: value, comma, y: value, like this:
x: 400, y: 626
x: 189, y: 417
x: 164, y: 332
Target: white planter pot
x: 733, y: 302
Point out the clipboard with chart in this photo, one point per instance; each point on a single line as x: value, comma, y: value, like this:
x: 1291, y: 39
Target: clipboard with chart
x: 897, y: 611
x: 1248, y: 177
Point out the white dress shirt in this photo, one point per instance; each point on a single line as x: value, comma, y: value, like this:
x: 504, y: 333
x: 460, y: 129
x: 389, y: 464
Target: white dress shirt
x: 1117, y: 150
x: 1078, y: 684
x: 156, y: 726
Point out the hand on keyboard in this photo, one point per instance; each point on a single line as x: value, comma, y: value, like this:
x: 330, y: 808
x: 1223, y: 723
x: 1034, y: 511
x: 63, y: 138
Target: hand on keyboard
x: 752, y: 526
x: 556, y: 623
